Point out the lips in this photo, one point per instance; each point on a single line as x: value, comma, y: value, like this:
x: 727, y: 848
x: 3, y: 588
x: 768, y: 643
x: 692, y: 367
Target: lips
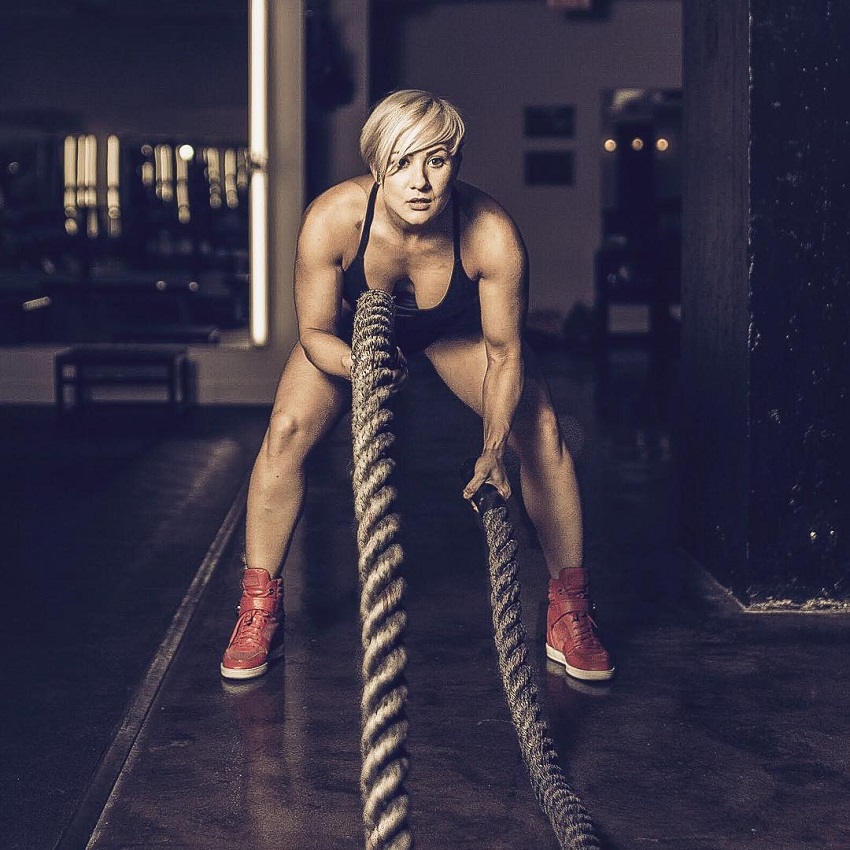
x: 419, y: 202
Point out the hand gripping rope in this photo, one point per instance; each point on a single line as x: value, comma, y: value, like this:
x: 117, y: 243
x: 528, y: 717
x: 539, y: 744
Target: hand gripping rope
x: 386, y: 805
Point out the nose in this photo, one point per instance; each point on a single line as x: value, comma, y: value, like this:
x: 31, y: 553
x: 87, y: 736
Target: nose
x: 419, y: 177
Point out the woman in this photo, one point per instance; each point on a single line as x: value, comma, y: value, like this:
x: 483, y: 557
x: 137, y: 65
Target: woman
x: 458, y: 269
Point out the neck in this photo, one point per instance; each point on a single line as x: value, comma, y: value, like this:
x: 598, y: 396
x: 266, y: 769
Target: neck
x: 411, y: 231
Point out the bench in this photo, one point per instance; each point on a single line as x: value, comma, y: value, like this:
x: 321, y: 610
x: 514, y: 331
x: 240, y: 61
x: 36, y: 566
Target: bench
x: 84, y: 368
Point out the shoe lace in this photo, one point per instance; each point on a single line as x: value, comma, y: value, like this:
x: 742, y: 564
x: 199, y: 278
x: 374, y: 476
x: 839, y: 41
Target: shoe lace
x: 584, y: 630
x: 582, y: 625
x: 249, y: 629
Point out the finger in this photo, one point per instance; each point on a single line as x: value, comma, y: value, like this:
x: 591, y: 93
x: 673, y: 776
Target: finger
x: 502, y: 485
x: 474, y: 485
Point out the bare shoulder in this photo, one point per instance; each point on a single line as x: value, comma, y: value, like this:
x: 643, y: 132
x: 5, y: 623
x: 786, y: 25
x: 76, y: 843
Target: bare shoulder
x: 490, y: 237
x: 332, y: 222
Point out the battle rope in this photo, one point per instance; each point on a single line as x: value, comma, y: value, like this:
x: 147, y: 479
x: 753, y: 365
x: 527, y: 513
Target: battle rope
x: 570, y: 821
x: 386, y: 805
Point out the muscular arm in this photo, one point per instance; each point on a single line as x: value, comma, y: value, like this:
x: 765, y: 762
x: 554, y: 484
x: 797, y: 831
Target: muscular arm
x: 318, y: 287
x: 503, y: 289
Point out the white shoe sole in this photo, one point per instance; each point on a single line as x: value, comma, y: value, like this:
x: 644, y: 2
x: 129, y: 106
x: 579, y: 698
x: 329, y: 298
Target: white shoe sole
x: 248, y: 673
x: 252, y: 672
x: 577, y: 672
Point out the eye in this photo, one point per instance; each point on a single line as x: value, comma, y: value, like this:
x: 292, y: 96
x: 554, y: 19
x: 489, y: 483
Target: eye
x: 402, y: 163
x: 437, y: 161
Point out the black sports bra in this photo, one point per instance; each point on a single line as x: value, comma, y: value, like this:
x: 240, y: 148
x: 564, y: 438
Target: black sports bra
x: 457, y: 313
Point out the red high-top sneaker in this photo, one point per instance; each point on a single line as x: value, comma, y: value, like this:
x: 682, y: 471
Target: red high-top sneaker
x: 260, y: 613
x: 570, y: 631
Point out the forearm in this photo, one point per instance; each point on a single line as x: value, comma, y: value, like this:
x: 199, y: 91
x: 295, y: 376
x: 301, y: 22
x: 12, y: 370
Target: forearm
x: 503, y: 382
x: 327, y: 352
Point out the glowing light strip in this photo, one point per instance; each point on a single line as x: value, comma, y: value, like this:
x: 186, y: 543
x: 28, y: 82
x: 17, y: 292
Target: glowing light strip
x: 230, y: 194
x: 259, y: 266
x: 92, y: 227
x: 113, y: 186
x: 91, y: 170
x: 81, y: 171
x: 181, y: 171
x: 70, y: 197
x: 258, y: 146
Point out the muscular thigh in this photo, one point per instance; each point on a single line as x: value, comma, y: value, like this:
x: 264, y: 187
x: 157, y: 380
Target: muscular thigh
x: 462, y: 363
x: 308, y: 401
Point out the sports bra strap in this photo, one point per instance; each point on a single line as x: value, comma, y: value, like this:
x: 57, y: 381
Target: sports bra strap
x: 367, y: 222
x: 456, y: 225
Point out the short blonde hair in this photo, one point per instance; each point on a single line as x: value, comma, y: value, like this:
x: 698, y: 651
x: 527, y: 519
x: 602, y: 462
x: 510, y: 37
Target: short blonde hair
x: 407, y: 121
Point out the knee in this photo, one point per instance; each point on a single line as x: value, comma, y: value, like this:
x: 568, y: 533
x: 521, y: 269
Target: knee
x: 285, y: 437
x: 540, y: 440
x: 549, y: 431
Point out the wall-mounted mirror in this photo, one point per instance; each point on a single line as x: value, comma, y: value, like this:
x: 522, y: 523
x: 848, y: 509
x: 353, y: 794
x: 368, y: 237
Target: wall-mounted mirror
x: 124, y: 172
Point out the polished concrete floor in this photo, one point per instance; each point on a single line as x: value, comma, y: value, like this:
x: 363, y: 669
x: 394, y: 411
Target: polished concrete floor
x: 722, y: 729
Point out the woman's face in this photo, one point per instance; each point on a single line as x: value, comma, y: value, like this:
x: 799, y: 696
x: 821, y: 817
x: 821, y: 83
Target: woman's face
x: 417, y: 186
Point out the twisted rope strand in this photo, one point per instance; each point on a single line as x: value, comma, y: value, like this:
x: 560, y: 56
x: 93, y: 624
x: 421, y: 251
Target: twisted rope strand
x: 386, y: 805
x: 570, y: 821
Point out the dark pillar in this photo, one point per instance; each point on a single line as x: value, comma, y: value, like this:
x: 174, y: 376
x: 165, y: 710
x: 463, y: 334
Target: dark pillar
x: 766, y: 297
